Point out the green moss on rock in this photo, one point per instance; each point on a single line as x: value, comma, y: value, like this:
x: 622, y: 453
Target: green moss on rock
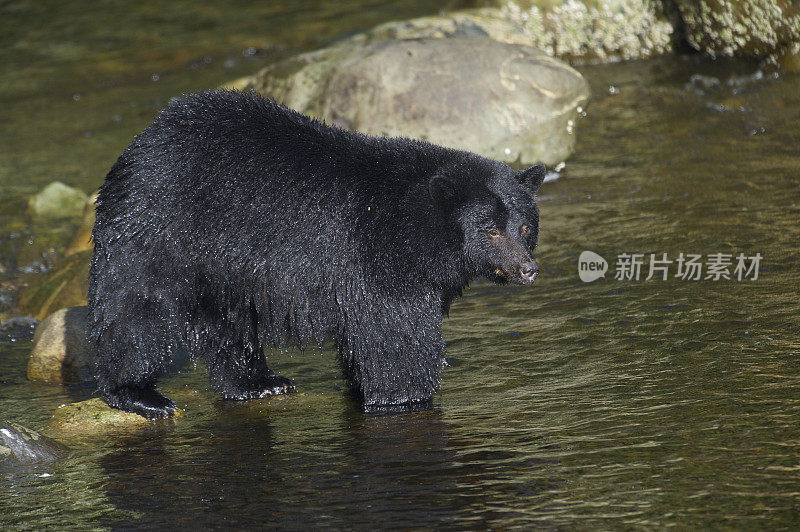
x: 590, y: 30
x: 764, y: 29
x: 95, y: 418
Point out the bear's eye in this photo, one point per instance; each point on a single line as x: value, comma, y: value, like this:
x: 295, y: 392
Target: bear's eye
x: 494, y: 232
x: 524, y: 230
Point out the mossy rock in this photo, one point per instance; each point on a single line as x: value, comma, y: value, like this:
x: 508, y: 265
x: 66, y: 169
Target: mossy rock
x: 57, y: 200
x: 576, y: 31
x: 65, y: 286
x: 95, y: 418
x: 763, y: 29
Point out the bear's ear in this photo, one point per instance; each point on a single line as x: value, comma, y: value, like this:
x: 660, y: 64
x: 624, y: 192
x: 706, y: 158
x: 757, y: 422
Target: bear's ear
x: 443, y: 191
x: 532, y: 177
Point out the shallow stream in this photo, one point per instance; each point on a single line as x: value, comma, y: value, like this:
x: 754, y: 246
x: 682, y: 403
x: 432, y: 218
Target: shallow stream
x: 616, y: 404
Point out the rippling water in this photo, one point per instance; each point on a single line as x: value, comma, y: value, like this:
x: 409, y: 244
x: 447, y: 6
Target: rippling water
x: 614, y: 404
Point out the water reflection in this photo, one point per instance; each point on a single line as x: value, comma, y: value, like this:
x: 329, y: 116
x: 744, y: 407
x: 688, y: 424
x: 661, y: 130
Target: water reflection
x: 353, y: 469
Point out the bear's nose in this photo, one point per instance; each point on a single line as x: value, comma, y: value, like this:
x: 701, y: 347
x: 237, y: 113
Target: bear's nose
x: 528, y: 271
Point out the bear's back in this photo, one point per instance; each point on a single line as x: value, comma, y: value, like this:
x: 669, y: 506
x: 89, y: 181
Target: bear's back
x: 218, y: 142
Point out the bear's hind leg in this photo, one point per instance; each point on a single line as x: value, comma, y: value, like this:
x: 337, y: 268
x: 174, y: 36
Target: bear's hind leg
x: 241, y: 372
x: 130, y: 359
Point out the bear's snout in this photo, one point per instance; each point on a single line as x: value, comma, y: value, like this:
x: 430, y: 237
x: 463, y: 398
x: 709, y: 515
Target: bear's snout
x: 528, y: 272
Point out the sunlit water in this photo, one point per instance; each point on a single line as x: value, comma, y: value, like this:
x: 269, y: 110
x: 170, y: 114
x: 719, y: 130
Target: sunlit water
x: 616, y: 404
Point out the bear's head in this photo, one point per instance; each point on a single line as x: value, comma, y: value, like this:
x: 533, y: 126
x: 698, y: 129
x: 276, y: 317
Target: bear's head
x: 493, y: 210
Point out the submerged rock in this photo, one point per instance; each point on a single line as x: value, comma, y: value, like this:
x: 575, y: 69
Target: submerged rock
x: 57, y: 199
x: 81, y: 240
x: 17, y: 329
x: 66, y: 285
x: 61, y: 352
x: 7, y: 291
x: 493, y: 23
x: 94, y: 417
x: 764, y: 29
x: 505, y: 101
x: 27, y: 446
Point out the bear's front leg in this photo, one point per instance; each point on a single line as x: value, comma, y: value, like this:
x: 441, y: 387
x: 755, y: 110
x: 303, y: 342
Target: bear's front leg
x: 394, y: 360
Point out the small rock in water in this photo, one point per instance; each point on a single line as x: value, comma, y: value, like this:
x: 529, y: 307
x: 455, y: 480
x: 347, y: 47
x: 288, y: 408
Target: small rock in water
x: 57, y: 199
x: 95, y: 418
x: 27, y: 446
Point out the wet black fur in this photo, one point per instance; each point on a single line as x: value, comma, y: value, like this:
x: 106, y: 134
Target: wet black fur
x: 232, y: 224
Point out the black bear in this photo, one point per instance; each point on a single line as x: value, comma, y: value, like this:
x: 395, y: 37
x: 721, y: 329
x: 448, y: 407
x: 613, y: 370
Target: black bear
x: 232, y: 224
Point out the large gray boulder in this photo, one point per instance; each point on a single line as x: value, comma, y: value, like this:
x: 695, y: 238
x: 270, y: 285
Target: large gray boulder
x: 505, y: 101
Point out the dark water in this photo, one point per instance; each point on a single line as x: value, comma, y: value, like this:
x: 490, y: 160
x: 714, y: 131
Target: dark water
x: 616, y: 404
